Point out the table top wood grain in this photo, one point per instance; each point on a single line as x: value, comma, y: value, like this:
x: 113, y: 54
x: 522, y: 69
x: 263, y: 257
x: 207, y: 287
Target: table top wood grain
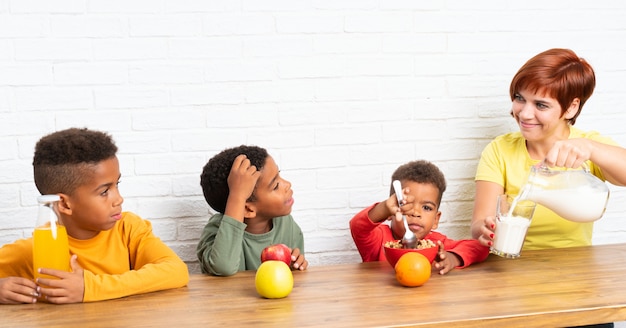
x: 558, y: 287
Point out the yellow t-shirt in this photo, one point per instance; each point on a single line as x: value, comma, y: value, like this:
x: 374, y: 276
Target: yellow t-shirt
x: 125, y: 260
x: 506, y: 162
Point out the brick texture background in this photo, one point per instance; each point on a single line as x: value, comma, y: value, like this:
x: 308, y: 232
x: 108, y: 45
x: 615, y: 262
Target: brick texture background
x: 340, y: 92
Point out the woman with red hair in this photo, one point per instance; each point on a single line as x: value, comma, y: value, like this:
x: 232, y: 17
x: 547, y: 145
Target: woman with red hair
x: 548, y: 94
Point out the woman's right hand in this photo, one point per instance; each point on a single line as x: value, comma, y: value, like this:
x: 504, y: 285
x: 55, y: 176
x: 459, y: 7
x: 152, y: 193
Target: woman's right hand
x: 483, y: 218
x: 487, y: 231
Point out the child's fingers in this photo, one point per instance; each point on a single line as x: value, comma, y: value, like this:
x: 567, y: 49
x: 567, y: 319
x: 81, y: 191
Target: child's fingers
x: 17, y: 290
x: 441, y: 252
x: 76, y: 268
x: 294, y: 254
x: 300, y: 263
x: 398, y: 216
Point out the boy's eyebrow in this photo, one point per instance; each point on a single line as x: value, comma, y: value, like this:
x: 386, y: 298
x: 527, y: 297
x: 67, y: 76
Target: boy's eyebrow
x: 271, y: 183
x: 109, y: 184
x: 431, y: 203
x: 273, y: 180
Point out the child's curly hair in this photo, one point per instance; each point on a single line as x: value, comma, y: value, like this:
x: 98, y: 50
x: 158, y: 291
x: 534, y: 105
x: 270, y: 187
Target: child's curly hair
x: 214, y: 177
x: 421, y: 172
x: 65, y: 159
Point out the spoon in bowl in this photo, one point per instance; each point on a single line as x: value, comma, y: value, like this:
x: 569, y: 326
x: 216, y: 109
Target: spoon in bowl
x: 409, y: 240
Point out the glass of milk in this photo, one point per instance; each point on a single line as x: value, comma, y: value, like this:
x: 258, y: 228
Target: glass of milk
x: 512, y: 220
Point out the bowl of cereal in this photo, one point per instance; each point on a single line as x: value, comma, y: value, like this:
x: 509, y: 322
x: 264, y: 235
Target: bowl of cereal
x: 394, y: 250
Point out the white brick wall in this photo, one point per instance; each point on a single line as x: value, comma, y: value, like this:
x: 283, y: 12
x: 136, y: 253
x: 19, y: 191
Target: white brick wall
x: 341, y: 92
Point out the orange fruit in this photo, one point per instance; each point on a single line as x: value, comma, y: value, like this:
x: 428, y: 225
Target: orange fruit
x: 412, y: 269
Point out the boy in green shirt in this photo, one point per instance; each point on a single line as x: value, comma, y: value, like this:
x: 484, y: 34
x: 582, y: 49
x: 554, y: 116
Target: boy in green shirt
x: 254, y: 203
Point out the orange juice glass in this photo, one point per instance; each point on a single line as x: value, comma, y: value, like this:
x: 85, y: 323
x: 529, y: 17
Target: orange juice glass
x: 50, y: 244
x: 49, y: 252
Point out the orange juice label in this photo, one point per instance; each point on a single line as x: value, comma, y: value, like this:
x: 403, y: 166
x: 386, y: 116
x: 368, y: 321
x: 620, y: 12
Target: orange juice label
x: 49, y: 252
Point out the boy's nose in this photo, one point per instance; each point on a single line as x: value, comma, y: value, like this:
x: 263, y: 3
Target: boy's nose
x: 287, y: 185
x: 118, y: 200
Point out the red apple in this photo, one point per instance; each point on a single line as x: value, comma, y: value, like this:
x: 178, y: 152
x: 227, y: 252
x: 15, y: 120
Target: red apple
x: 277, y: 252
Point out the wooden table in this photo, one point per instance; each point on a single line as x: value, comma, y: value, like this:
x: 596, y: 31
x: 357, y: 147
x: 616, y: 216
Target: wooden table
x: 559, y: 287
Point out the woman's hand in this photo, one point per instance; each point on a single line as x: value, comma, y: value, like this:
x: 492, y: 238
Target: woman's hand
x: 487, y: 230
x: 571, y: 153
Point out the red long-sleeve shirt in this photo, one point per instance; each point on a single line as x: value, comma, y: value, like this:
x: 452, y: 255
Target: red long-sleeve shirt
x: 370, y: 238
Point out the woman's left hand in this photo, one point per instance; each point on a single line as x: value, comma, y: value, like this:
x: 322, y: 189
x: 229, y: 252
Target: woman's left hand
x: 569, y: 153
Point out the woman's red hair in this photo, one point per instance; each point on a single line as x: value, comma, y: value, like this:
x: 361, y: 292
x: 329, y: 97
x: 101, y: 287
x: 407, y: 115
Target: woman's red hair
x: 556, y: 73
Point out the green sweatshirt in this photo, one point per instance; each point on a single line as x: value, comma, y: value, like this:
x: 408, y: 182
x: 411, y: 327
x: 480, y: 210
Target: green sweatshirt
x: 226, y: 248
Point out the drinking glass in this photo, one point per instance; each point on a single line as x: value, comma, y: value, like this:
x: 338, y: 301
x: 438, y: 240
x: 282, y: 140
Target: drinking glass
x: 512, y: 220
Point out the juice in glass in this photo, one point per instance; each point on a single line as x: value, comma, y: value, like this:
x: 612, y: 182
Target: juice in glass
x: 49, y: 252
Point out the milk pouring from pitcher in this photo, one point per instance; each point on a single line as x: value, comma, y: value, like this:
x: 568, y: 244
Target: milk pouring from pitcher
x: 575, y: 195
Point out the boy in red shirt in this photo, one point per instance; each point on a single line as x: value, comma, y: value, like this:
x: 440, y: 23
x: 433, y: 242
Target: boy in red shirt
x: 423, y: 185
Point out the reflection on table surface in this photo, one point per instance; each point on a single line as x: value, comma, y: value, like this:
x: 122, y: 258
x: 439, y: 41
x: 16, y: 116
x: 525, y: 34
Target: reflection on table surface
x: 559, y: 287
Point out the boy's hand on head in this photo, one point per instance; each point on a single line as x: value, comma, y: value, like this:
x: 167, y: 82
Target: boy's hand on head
x: 242, y: 177
x: 297, y: 260
x: 69, y: 288
x: 17, y: 290
x: 445, y: 261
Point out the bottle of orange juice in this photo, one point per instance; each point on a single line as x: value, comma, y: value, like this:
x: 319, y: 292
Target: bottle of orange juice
x: 50, y: 249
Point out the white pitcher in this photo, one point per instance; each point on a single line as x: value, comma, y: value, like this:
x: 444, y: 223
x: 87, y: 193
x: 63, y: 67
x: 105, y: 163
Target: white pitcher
x: 575, y: 195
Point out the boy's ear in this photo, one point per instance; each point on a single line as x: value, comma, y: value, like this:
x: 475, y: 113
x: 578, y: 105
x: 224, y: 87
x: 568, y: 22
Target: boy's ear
x: 250, y: 211
x: 436, y: 223
x: 64, y: 205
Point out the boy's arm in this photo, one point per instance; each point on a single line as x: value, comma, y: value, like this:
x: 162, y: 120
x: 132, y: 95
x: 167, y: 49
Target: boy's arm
x: 16, y: 273
x: 155, y: 267
x: 16, y: 259
x: 469, y: 250
x: 296, y: 242
x: 241, y: 182
x: 220, y: 248
x: 368, y: 236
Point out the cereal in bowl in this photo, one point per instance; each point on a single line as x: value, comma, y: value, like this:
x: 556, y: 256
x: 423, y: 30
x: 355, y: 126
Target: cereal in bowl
x: 421, y: 244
